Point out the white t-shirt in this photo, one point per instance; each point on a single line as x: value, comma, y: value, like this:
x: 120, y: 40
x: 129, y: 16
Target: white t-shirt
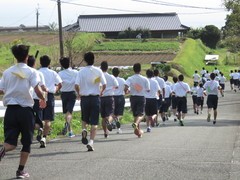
x: 222, y: 80
x: 194, y: 90
x: 235, y: 75
x: 111, y: 85
x: 120, y: 90
x: 89, y: 79
x: 168, y: 91
x: 16, y: 84
x: 196, y: 77
x: 200, y: 92
x: 181, y: 89
x: 154, y: 88
x: 51, y: 79
x: 211, y: 87
x: 68, y: 77
x: 161, y: 82
x: 42, y: 82
x: 138, y: 85
x: 203, y: 71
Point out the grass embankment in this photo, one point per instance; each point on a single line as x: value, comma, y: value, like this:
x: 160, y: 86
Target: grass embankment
x: 191, y: 58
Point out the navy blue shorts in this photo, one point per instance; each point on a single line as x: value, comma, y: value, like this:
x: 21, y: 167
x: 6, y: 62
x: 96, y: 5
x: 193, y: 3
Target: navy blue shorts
x: 165, y: 105
x: 137, y: 105
x: 212, y: 101
x: 90, y: 108
x: 48, y: 111
x: 182, y: 104
x: 38, y: 113
x: 174, y: 102
x: 18, y: 120
x: 194, y: 99
x: 107, y: 106
x: 222, y: 86
x: 68, y: 101
x: 200, y: 101
x: 151, y: 106
x: 119, y: 104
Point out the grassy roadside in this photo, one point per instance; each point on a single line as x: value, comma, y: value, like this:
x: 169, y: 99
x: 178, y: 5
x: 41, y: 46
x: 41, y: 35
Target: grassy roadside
x: 191, y: 58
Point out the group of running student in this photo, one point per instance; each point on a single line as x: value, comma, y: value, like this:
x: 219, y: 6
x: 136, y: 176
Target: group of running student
x: 100, y: 93
x: 208, y: 84
x: 235, y: 80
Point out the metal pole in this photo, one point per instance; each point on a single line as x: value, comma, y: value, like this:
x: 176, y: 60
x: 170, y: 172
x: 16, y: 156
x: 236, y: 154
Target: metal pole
x: 60, y: 29
x: 37, y: 16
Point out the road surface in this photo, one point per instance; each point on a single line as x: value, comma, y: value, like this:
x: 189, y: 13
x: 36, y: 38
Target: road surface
x: 199, y: 150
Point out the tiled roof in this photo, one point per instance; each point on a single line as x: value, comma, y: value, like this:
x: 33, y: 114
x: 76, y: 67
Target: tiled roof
x: 120, y: 22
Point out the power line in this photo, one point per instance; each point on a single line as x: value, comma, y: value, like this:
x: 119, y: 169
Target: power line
x: 24, y: 17
x: 157, y: 2
x: 99, y: 7
x: 142, y: 1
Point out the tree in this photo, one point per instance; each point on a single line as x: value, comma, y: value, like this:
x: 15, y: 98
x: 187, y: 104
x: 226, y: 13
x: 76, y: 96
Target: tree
x: 53, y: 26
x: 231, y: 30
x: 77, y: 43
x: 195, y: 33
x: 210, y: 36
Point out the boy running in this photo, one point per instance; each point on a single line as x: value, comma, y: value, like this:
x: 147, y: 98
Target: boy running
x: 181, y: 89
x: 119, y: 99
x: 53, y: 84
x: 151, y: 107
x: 107, y: 101
x: 68, y: 94
x: 138, y: 85
x: 16, y: 86
x: 87, y: 86
x: 212, y: 88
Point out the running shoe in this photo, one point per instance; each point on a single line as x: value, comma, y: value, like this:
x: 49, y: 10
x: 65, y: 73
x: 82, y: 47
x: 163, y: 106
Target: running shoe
x: 71, y: 134
x: 2, y: 153
x: 119, y: 131
x: 181, y: 123
x: 84, y: 137
x: 148, y: 129
x: 214, y: 122
x: 64, y: 130
x: 175, y: 119
x: 43, y: 143
x: 208, y: 117
x: 90, y: 147
x: 39, y: 135
x: 109, y: 126
x: 134, y: 125
x: 118, y: 124
x: 22, y: 174
x: 113, y: 125
x: 106, y: 135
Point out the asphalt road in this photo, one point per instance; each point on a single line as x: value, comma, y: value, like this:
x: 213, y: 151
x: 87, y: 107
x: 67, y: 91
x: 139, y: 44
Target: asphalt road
x: 199, y: 150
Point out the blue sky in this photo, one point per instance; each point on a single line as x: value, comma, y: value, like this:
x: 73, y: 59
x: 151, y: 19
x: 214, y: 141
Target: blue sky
x: 192, y: 13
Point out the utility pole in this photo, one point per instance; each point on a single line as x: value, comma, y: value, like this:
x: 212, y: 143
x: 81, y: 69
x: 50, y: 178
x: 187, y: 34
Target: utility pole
x: 60, y: 28
x: 37, y: 16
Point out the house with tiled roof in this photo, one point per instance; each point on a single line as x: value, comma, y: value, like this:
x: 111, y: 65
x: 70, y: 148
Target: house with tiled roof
x: 160, y: 25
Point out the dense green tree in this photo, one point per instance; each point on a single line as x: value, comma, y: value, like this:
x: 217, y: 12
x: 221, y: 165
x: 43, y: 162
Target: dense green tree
x: 231, y: 30
x: 195, y: 33
x: 210, y: 36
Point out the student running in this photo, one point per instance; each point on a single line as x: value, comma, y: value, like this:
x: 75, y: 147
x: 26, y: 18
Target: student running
x: 15, y: 84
